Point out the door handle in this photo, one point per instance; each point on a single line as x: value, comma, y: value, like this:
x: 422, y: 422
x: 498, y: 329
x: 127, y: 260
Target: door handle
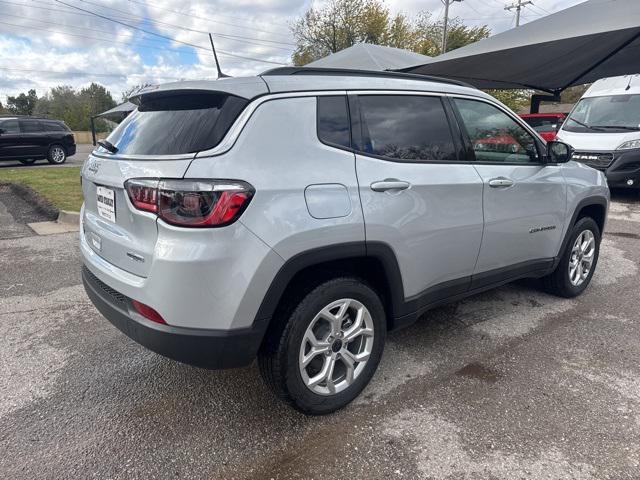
x: 389, y: 184
x: 500, y: 182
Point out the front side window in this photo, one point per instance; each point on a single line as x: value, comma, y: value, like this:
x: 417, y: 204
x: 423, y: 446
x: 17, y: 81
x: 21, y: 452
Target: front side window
x: 176, y: 124
x: 610, y: 114
x: 9, y: 126
x: 494, y: 135
x: 30, y: 126
x: 409, y: 128
x: 333, y: 121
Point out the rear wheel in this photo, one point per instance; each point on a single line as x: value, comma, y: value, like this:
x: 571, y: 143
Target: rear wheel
x: 27, y: 161
x: 57, y: 154
x: 329, y: 348
x: 578, y: 263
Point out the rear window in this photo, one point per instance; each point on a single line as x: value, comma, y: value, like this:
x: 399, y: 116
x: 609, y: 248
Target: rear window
x: 177, y: 124
x: 406, y: 128
x: 9, y: 126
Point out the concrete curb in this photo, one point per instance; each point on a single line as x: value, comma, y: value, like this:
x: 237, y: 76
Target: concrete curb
x: 66, y: 216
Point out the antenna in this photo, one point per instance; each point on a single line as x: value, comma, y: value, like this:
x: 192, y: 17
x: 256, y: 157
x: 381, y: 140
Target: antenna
x: 215, y: 56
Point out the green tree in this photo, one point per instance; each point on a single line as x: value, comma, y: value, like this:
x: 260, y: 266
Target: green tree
x: 342, y: 23
x: 22, y: 104
x: 516, y: 100
x: 76, y: 107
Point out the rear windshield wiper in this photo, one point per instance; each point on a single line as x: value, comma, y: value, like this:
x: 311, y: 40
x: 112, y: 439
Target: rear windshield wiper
x: 107, y: 145
x: 582, y: 124
x: 620, y: 127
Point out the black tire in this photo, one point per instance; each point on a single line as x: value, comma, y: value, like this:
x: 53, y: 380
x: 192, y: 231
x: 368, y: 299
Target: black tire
x: 558, y: 283
x: 57, y: 154
x: 278, y: 359
x: 27, y: 161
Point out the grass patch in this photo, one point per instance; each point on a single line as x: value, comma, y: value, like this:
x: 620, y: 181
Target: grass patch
x: 60, y: 186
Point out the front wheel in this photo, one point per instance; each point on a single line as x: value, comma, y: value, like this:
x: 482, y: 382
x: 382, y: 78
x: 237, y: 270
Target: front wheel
x: 578, y: 263
x: 57, y: 154
x: 329, y: 348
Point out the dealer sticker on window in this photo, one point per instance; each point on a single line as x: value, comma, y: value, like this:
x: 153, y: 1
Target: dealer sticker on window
x: 106, y: 203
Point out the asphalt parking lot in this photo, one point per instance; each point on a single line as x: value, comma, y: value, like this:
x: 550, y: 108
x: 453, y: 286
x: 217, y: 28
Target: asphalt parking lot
x: 82, y: 152
x: 510, y: 384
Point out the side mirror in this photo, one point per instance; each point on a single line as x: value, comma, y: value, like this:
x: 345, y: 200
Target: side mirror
x: 559, y: 152
x: 1, y: 131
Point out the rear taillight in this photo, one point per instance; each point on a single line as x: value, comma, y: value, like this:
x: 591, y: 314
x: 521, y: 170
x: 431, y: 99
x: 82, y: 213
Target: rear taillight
x: 191, y: 203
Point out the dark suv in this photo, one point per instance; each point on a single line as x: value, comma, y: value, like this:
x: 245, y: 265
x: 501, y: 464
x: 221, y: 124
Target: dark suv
x: 28, y: 139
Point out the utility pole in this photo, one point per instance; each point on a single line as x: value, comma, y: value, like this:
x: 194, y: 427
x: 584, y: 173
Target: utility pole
x: 446, y: 21
x: 518, y: 6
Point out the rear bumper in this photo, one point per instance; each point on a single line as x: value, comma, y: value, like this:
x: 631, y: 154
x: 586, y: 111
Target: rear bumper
x: 213, y: 349
x: 71, y: 150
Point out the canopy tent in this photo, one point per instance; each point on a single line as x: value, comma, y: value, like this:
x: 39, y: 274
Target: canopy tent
x: 119, y: 112
x: 592, y: 40
x: 366, y: 56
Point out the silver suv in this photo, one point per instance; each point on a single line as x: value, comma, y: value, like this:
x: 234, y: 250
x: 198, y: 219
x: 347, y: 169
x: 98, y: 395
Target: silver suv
x: 299, y: 215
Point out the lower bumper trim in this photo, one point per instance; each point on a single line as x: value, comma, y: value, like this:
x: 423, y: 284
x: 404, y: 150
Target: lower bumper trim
x: 212, y: 349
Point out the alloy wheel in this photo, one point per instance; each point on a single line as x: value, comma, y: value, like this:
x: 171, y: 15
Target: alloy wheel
x: 336, y: 346
x: 57, y: 154
x: 582, y: 256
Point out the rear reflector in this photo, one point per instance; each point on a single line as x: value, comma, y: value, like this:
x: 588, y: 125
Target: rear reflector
x: 191, y: 203
x: 148, y: 312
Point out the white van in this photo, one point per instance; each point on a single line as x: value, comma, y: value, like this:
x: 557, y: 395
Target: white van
x: 604, y: 129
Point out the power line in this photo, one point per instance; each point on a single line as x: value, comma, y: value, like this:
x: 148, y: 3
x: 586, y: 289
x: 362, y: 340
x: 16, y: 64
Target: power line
x: 147, y: 4
x: 111, y: 32
x: 125, y: 75
x: 165, y: 36
x: 104, y: 40
x: 240, y: 38
x: 129, y: 15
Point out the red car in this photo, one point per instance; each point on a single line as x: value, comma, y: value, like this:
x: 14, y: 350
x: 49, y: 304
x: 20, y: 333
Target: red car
x: 546, y: 124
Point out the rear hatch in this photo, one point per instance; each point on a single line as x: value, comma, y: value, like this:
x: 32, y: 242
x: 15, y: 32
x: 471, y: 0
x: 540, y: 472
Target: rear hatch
x: 157, y: 141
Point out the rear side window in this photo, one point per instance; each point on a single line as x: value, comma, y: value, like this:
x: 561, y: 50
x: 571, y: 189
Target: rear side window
x: 333, y: 121
x: 177, y: 124
x: 54, y: 127
x: 30, y: 126
x: 405, y: 128
x: 9, y: 126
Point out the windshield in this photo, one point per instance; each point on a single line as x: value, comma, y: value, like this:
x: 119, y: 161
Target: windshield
x: 177, y: 124
x: 611, y: 114
x: 544, y: 124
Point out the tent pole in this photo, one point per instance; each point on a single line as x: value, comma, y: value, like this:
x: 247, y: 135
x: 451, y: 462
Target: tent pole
x: 93, y: 130
x: 537, y: 98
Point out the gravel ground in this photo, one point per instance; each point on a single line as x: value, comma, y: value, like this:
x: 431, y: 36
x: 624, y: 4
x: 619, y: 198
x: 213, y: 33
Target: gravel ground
x: 510, y: 384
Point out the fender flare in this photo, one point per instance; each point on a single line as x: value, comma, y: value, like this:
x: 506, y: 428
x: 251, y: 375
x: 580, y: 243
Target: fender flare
x: 595, y: 200
x: 379, y: 251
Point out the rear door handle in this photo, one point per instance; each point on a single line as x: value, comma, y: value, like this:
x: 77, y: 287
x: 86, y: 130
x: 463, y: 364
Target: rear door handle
x: 389, y: 184
x: 500, y: 182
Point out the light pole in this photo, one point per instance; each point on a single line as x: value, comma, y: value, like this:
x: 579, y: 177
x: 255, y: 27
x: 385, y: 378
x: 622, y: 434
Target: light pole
x: 518, y: 6
x: 446, y: 21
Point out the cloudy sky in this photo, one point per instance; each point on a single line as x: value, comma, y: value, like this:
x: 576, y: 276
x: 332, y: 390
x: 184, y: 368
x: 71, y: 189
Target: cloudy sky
x: 44, y: 43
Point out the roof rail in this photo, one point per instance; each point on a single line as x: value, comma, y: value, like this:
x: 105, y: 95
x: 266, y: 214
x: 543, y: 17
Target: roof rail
x: 361, y: 73
x: 35, y: 117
